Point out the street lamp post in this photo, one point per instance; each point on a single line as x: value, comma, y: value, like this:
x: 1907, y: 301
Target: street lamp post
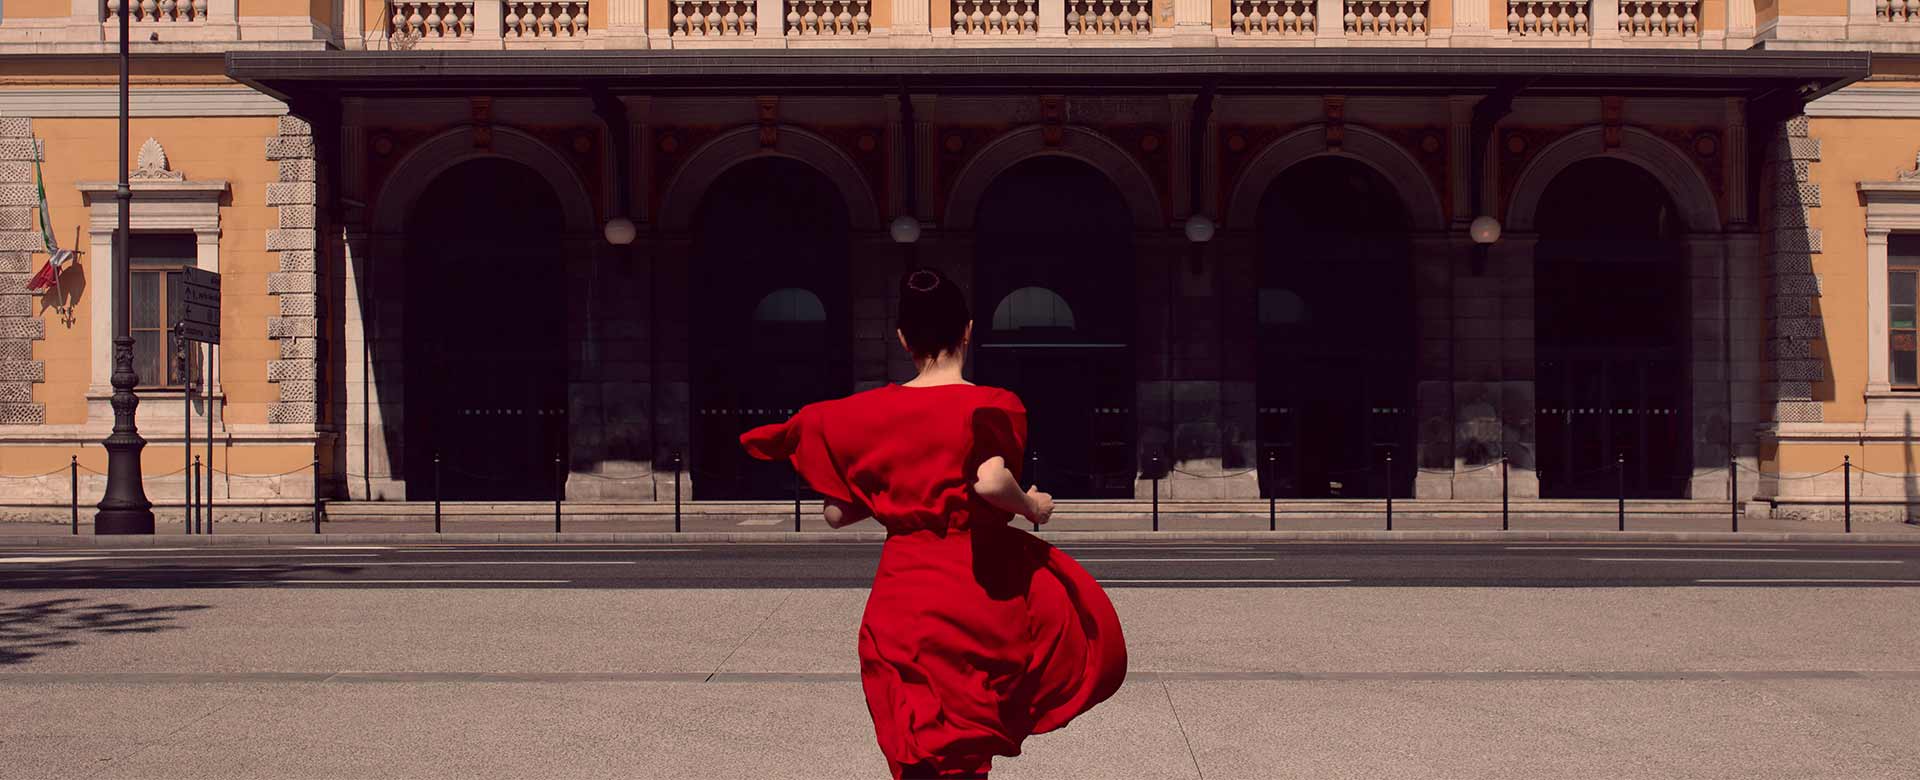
x: 124, y: 509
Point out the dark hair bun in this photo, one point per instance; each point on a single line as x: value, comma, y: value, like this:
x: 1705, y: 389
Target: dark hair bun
x: 933, y: 313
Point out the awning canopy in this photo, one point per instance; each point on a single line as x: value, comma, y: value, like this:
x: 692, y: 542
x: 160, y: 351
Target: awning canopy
x: 1762, y: 76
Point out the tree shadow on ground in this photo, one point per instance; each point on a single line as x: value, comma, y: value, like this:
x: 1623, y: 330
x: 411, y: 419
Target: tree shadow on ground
x: 31, y: 629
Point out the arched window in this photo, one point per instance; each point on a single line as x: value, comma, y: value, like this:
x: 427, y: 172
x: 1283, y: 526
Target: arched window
x: 1032, y: 307
x: 790, y: 304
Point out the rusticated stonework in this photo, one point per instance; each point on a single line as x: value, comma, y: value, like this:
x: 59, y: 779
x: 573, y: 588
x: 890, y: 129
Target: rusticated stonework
x: 294, y: 285
x: 1791, y: 245
x: 19, y: 241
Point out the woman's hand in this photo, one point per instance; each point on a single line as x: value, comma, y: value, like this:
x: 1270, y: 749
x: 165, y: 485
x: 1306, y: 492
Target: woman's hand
x: 1041, y: 506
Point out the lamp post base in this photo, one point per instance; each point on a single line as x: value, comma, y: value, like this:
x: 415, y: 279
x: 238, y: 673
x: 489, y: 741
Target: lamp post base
x: 119, y: 522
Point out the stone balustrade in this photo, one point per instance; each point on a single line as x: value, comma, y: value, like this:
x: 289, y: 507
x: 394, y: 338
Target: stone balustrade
x: 562, y: 20
x: 1659, y: 18
x: 1386, y: 18
x: 1274, y: 17
x: 996, y: 17
x: 429, y: 21
x: 155, y: 11
x: 1903, y: 11
x: 1550, y: 19
x: 713, y: 19
x: 828, y: 18
x: 1109, y: 17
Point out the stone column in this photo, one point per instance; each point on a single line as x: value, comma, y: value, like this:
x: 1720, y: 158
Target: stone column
x: 1330, y: 30
x: 1493, y: 372
x: 1604, y: 20
x: 876, y: 263
x: 1053, y: 21
x: 627, y: 24
x: 1434, y: 260
x: 1238, y: 306
x: 770, y: 24
x: 911, y: 24
x: 1706, y: 262
x: 672, y: 417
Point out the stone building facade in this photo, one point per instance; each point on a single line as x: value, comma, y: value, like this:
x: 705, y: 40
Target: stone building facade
x: 1228, y: 245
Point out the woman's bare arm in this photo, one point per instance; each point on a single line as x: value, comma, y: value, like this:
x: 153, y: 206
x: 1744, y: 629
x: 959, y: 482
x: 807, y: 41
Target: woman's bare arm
x: 840, y: 513
x: 994, y: 483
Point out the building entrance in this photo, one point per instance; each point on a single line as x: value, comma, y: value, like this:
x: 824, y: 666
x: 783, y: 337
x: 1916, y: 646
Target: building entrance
x: 1054, y: 299
x: 1610, y: 318
x: 486, y: 384
x: 771, y: 293
x: 1335, y: 386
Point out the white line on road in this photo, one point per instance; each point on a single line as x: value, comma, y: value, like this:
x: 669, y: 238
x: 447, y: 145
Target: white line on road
x: 762, y: 521
x: 1105, y: 580
x: 1738, y: 560
x: 341, y: 547
x: 1151, y: 548
x: 564, y: 550
x: 1804, y: 581
x: 1641, y: 548
x: 415, y: 582
x: 477, y: 563
x: 50, y: 559
x: 1170, y: 560
x: 235, y: 557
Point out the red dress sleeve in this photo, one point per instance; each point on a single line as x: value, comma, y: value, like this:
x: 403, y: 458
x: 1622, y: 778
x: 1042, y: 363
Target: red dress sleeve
x: 1000, y: 428
x: 802, y: 441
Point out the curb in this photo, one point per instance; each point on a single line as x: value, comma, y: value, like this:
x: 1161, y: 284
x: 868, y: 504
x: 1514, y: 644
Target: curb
x: 842, y: 537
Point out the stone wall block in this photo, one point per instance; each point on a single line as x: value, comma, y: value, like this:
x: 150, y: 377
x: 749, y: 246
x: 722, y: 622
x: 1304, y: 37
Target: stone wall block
x: 16, y: 305
x: 16, y: 349
x: 1797, y: 411
x: 21, y: 241
x: 291, y: 125
x: 298, y: 170
x: 16, y: 127
x: 1797, y: 240
x: 18, y: 149
x: 291, y: 413
x: 23, y: 414
x: 30, y: 328
x: 289, y: 147
x: 297, y: 216
x: 298, y: 305
x: 298, y: 389
x: 1796, y: 286
x: 1792, y: 262
x: 1793, y: 390
x: 290, y: 282
x: 1798, y: 126
x: 1798, y: 370
x: 1790, y: 349
x: 15, y: 284
x: 294, y: 349
x: 291, y: 327
x: 285, y: 370
x: 23, y: 371
x: 297, y: 260
x: 1788, y: 173
x: 1804, y: 328
x: 1793, y: 306
x: 16, y: 392
x: 16, y: 218
x: 278, y: 240
x: 289, y: 193
x: 18, y: 195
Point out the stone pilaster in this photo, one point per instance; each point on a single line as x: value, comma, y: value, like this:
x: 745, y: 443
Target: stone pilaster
x: 19, y: 240
x: 295, y: 286
x: 1793, y: 324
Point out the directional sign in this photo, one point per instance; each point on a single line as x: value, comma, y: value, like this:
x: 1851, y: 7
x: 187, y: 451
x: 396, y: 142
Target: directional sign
x: 196, y: 310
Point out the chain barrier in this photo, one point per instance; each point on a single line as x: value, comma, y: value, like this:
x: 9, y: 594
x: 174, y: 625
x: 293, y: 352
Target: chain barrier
x: 1240, y: 473
x: 61, y: 470
x: 1750, y: 470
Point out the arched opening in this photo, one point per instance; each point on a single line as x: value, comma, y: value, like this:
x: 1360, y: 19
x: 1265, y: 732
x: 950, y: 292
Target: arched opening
x: 1335, y: 388
x: 486, y: 313
x: 1611, y: 336
x: 770, y: 327
x: 1054, y: 283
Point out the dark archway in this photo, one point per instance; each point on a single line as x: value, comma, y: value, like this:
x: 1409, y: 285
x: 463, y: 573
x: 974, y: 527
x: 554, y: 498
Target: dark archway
x: 485, y: 343
x: 1054, y: 320
x: 1335, y: 389
x: 771, y: 330
x: 1611, y: 336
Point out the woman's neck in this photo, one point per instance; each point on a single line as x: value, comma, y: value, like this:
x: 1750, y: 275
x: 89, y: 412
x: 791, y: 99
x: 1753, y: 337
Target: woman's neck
x: 942, y: 370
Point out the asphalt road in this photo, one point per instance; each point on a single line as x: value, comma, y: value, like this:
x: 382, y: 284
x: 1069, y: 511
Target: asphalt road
x: 833, y: 565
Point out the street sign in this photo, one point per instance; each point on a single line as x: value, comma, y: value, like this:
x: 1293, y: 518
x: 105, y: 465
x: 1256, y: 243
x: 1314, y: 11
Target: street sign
x: 197, y: 311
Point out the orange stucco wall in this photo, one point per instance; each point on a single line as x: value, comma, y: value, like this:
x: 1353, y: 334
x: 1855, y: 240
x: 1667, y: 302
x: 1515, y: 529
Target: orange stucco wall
x: 38, y: 9
x: 1812, y: 7
x: 233, y: 149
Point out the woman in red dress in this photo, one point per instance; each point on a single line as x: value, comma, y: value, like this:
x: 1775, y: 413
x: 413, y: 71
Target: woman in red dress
x: 976, y: 634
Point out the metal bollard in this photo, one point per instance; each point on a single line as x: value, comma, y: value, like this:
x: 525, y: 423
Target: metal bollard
x: 193, y: 516
x: 796, y: 500
x: 1389, y: 490
x: 1620, y: 480
x: 1272, y: 519
x: 316, y: 495
x: 1504, y: 525
x: 73, y: 472
x: 676, y: 492
x: 1156, y: 492
x: 1733, y: 492
x: 1846, y: 497
x: 436, y: 492
x: 559, y: 489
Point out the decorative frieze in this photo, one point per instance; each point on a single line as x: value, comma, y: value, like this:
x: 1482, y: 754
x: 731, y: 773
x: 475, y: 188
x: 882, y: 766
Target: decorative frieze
x: 996, y: 17
x: 828, y: 18
x: 154, y: 11
x: 521, y: 20
x: 1274, y: 17
x: 429, y: 21
x: 1109, y: 17
x: 20, y: 247
x: 1386, y: 18
x: 713, y: 19
x: 1659, y: 18
x: 1548, y: 19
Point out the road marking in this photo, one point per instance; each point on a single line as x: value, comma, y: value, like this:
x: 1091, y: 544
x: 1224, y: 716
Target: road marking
x: 49, y: 559
x: 477, y: 563
x: 411, y: 582
x: 1804, y: 581
x: 1105, y: 580
x: 341, y: 547
x: 1738, y: 560
x: 762, y: 521
x: 1169, y: 560
x: 565, y: 550
x: 235, y: 557
x: 1653, y: 549
x: 1069, y: 547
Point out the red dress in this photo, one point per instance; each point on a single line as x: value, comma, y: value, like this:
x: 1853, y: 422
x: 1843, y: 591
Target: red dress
x: 976, y: 634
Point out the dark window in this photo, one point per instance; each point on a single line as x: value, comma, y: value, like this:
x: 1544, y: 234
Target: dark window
x: 155, y: 260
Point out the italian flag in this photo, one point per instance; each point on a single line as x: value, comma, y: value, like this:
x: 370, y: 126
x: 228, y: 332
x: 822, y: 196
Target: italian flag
x: 57, y: 258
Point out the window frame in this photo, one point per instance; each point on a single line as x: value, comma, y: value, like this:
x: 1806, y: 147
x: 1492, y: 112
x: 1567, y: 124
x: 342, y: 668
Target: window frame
x: 1899, y: 264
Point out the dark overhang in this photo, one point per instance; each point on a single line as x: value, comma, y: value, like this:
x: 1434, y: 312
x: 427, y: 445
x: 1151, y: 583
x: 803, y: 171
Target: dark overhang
x: 1759, y: 75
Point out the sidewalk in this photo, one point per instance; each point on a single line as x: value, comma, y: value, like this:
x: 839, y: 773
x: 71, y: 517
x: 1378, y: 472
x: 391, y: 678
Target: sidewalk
x: 710, y: 527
